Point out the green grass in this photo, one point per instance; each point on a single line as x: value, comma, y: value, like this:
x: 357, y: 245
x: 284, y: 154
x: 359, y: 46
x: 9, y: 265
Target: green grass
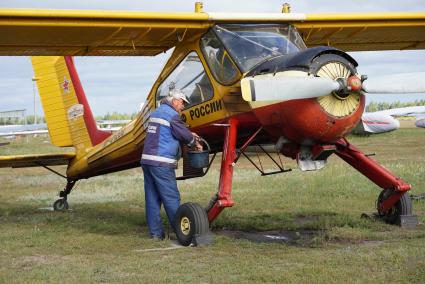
x: 103, y: 237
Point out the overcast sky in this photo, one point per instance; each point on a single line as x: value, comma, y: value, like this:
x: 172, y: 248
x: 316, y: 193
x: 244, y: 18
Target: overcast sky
x: 121, y: 84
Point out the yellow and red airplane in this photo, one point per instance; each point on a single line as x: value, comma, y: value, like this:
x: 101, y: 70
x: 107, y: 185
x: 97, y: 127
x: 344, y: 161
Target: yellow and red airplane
x: 281, y: 79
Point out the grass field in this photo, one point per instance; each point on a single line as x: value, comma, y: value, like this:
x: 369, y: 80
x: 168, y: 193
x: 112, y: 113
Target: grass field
x: 104, y: 237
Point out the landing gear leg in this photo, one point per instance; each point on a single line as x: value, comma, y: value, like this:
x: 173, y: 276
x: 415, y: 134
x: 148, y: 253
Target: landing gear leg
x: 394, y: 205
x: 62, y: 204
x: 223, y: 198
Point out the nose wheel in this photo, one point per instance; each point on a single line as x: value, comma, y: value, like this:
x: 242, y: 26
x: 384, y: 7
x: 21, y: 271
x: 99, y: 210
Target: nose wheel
x: 191, y: 224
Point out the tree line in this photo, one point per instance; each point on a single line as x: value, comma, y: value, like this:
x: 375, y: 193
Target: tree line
x: 116, y: 116
x: 372, y: 106
x: 29, y: 120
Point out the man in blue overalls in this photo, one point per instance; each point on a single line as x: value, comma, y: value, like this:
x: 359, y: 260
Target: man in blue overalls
x: 161, y: 152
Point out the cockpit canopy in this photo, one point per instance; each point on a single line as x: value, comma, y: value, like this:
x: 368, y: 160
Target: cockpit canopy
x: 247, y: 45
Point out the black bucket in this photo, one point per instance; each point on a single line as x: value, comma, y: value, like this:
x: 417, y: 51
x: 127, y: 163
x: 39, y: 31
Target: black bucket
x: 199, y: 159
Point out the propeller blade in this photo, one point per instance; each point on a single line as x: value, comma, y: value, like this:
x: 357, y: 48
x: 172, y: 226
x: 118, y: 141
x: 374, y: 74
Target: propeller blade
x: 400, y: 83
x: 279, y: 88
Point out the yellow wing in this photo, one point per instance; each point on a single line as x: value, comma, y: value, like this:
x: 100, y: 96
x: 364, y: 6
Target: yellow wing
x: 100, y: 33
x: 20, y: 161
x: 64, y: 32
x: 362, y: 32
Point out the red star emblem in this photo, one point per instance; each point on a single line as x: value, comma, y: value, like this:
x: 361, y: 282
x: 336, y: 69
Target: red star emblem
x: 66, y: 85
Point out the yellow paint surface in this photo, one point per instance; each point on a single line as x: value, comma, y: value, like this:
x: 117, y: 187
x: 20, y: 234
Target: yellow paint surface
x: 57, y: 96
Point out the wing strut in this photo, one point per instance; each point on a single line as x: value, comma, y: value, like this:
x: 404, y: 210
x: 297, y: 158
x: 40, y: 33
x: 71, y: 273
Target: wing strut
x: 49, y: 169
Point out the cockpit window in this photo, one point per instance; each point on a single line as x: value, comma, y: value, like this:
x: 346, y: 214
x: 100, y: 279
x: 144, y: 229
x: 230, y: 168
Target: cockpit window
x: 221, y: 65
x: 250, y: 45
x: 190, y: 77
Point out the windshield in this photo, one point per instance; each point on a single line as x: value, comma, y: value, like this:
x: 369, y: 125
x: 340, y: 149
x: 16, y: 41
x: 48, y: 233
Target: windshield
x: 251, y: 44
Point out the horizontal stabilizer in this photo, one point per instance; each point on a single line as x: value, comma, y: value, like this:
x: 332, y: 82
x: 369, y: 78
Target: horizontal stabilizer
x: 21, y: 161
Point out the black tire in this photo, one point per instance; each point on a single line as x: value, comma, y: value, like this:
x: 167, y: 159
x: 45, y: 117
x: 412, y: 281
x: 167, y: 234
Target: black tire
x: 190, y: 220
x: 60, y: 205
x: 401, y: 207
x: 324, y: 59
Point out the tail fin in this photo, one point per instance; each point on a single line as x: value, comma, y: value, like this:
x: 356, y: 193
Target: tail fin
x: 67, y: 112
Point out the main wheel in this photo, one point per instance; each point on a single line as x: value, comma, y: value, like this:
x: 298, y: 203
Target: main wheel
x: 60, y: 205
x: 401, y: 207
x: 190, y: 220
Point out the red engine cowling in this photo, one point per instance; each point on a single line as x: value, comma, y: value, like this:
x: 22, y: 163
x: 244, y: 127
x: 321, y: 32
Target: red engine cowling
x: 322, y: 120
x: 306, y: 122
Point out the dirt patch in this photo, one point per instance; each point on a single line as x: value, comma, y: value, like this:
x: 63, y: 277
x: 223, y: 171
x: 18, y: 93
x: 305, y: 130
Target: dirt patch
x: 298, y: 237
x: 373, y: 243
x: 301, y: 220
x: 28, y: 262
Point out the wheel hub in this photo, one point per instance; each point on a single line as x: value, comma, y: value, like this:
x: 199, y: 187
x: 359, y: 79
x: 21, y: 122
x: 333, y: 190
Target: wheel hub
x: 185, y: 225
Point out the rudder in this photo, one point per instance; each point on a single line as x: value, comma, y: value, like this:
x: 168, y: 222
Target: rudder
x: 68, y: 115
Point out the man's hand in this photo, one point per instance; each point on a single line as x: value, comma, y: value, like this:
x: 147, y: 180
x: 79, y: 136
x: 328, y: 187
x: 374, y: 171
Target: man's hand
x: 196, y: 136
x: 198, y: 146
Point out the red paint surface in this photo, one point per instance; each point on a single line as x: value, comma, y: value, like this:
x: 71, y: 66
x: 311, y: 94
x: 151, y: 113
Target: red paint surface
x: 96, y: 135
x: 306, y: 122
x: 373, y: 171
x: 226, y: 171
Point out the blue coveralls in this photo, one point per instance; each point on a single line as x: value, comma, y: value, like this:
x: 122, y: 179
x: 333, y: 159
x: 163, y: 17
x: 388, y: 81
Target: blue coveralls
x: 161, y: 152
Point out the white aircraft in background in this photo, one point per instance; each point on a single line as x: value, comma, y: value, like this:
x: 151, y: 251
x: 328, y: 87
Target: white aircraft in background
x: 384, y: 121
x: 11, y: 131
x: 21, y: 130
x: 113, y: 125
x: 420, y: 122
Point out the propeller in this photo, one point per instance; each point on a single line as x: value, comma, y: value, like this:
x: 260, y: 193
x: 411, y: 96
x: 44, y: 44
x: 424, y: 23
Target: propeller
x: 399, y: 83
x: 269, y: 87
